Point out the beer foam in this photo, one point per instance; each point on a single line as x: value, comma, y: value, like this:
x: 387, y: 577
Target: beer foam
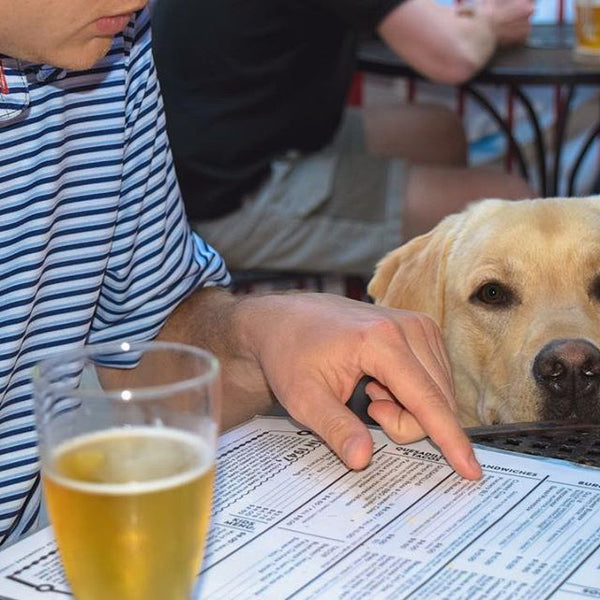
x: 183, y: 449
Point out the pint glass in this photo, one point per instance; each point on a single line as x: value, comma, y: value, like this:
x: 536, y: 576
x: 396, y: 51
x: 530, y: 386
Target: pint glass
x: 587, y: 28
x: 127, y: 438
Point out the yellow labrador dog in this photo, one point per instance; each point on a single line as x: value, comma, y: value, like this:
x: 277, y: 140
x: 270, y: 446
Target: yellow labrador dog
x: 515, y: 289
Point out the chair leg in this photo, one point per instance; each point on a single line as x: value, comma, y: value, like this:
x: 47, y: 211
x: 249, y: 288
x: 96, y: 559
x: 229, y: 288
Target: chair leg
x: 353, y: 286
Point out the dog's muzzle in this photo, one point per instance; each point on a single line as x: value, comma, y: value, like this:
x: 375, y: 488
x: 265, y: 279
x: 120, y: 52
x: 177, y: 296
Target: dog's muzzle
x: 567, y: 372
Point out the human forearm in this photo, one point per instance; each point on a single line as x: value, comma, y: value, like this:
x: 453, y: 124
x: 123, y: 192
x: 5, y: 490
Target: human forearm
x: 437, y: 41
x: 450, y: 45
x: 208, y: 319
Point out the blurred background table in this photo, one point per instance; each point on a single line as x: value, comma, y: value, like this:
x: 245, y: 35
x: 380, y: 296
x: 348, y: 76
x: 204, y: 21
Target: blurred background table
x: 546, y: 59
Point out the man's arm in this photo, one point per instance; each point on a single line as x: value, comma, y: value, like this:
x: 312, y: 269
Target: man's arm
x: 208, y: 319
x: 450, y: 45
x: 310, y: 351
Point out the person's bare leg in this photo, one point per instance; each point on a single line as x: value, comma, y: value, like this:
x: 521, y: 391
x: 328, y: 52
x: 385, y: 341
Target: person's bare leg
x: 431, y: 139
x: 419, y: 133
x: 433, y: 192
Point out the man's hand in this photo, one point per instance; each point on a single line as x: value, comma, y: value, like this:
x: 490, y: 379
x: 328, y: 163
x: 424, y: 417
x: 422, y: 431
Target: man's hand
x: 313, y: 350
x: 510, y: 19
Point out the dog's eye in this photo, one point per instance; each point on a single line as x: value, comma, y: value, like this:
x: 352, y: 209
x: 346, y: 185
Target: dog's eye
x: 494, y: 293
x: 595, y: 288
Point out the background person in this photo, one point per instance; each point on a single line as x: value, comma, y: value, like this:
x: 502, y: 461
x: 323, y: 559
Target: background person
x: 255, y: 95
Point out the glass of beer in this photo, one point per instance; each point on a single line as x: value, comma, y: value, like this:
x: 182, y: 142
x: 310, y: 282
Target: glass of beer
x: 127, y: 439
x: 587, y: 29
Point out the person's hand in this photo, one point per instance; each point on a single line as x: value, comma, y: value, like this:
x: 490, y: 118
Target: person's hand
x: 313, y: 350
x: 510, y: 19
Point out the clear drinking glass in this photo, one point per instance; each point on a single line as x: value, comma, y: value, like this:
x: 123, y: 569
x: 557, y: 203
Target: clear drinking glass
x: 127, y: 438
x: 587, y: 29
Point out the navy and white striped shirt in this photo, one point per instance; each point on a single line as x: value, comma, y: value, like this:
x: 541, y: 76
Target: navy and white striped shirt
x: 94, y: 244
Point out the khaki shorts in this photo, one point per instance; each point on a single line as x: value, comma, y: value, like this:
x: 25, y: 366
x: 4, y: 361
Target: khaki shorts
x: 337, y: 211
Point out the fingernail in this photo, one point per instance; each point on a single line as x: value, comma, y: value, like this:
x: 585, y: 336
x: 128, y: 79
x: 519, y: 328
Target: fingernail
x: 349, y: 449
x: 356, y: 453
x: 474, y: 464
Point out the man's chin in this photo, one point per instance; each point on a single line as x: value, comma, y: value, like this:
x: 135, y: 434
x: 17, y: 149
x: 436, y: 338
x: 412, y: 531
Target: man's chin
x: 83, y: 58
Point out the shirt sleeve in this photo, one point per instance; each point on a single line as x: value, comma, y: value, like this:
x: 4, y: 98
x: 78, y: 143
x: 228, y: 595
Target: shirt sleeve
x: 363, y: 15
x: 155, y: 259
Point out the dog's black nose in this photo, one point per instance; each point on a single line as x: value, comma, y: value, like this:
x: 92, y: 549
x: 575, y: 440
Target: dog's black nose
x: 568, y: 371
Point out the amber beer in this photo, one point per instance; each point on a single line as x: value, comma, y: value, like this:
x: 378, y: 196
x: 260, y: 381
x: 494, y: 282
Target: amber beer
x: 587, y: 28
x: 130, y: 508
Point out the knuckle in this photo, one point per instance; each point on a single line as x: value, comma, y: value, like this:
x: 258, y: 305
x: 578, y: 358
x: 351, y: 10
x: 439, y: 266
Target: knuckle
x: 385, y: 327
x: 334, y: 428
x: 406, y: 324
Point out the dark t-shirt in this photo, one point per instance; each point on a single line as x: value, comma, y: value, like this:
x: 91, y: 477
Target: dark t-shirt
x: 245, y: 81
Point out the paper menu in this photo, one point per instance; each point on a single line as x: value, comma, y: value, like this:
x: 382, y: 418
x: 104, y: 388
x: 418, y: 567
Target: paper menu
x: 290, y: 521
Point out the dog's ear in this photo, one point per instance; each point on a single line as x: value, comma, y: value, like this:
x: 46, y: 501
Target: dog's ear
x: 412, y: 276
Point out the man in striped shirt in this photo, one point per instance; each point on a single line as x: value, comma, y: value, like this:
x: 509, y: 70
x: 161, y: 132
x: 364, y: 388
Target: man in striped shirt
x: 95, y: 246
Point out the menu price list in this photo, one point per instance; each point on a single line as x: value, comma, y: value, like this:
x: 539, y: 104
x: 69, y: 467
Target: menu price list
x: 291, y: 521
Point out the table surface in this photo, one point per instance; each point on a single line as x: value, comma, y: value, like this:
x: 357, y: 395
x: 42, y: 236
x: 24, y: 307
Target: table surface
x: 546, y: 58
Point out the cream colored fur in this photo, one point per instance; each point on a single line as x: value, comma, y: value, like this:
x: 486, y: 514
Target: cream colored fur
x: 545, y: 252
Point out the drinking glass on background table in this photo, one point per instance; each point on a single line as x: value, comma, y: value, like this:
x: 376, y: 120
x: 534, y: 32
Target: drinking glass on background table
x: 587, y: 29
x: 128, y: 462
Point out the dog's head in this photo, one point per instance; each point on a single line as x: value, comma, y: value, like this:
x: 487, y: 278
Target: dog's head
x: 515, y: 288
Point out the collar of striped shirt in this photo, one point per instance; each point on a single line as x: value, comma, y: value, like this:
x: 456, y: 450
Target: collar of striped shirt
x: 14, y: 89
